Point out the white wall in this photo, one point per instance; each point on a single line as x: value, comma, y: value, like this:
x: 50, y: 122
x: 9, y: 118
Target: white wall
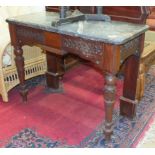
x: 10, y: 11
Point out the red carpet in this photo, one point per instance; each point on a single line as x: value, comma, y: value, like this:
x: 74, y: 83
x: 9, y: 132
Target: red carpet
x: 69, y: 117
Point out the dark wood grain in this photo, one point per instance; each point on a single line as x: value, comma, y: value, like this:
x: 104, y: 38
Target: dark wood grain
x: 109, y: 100
x: 19, y: 60
x: 128, y: 101
x: 54, y: 70
x: 132, y: 14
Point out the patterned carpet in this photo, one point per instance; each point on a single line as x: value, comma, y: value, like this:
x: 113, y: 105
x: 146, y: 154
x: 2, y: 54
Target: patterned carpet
x: 28, y: 138
x: 127, y: 133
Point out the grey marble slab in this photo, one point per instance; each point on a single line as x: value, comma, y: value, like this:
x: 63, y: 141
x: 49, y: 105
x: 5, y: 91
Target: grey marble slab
x: 113, y: 32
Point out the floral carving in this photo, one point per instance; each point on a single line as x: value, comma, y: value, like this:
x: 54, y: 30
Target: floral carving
x: 90, y: 50
x: 131, y: 47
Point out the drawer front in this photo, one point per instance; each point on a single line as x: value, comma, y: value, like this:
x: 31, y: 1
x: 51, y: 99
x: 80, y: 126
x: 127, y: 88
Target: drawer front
x: 30, y: 35
x: 53, y: 40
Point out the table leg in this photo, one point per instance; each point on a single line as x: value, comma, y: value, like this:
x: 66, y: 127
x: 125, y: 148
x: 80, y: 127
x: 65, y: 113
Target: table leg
x: 19, y: 60
x: 54, y: 72
x: 109, y: 99
x: 128, y: 101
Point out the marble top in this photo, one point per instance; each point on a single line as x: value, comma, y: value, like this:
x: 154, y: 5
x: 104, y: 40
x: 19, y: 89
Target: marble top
x: 113, y: 32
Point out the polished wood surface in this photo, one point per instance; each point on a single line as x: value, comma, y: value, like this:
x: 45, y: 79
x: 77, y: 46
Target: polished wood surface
x: 132, y: 14
x: 130, y: 82
x: 54, y: 70
x: 151, y: 18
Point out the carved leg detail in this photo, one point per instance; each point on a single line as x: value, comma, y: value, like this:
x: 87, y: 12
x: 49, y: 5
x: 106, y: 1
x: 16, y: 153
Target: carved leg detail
x: 109, y: 99
x: 54, y: 73
x: 19, y: 60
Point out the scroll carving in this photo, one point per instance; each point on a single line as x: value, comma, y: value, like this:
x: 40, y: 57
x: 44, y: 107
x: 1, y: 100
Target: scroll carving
x: 30, y: 34
x: 89, y: 50
x: 130, y: 48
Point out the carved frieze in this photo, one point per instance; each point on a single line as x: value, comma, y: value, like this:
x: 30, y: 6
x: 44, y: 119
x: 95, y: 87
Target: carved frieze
x: 89, y: 50
x: 130, y: 48
x: 30, y: 34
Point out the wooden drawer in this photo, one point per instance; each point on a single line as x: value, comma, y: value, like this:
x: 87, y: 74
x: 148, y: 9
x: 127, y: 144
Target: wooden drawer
x: 53, y: 40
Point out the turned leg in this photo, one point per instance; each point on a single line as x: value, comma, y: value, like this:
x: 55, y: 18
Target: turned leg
x: 128, y: 101
x: 54, y: 72
x: 19, y: 60
x: 109, y: 99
